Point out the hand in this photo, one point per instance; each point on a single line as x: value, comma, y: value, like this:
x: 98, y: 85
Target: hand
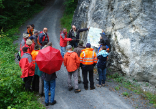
x: 102, y: 31
x: 88, y: 28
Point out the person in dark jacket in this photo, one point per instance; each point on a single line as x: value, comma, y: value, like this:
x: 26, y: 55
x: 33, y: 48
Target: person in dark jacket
x: 78, y: 50
x: 29, y: 30
x: 43, y: 36
x: 74, y: 34
x: 101, y: 65
x: 36, y: 33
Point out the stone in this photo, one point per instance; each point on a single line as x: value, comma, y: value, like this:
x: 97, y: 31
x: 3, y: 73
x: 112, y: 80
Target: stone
x: 131, y: 28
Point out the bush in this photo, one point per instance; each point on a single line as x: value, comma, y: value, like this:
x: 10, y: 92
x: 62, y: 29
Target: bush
x: 66, y: 20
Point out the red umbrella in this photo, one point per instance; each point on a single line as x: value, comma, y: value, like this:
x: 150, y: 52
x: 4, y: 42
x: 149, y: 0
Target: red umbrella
x: 49, y: 60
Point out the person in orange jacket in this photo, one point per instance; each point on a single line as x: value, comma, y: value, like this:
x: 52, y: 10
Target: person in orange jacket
x: 27, y: 68
x: 72, y: 63
x: 35, y: 82
x: 29, y: 30
x: 88, y: 60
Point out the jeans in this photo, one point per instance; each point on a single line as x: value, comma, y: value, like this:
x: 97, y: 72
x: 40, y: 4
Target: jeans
x: 102, y: 75
x: 75, y: 75
x: 63, y: 50
x: 50, y: 84
x: 73, y: 44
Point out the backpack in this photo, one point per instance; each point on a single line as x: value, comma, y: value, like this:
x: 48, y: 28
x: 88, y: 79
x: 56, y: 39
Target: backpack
x: 19, y: 56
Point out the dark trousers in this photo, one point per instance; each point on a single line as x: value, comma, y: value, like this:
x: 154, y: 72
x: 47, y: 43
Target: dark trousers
x: 35, y: 83
x: 27, y: 81
x: 85, y: 73
x: 73, y: 44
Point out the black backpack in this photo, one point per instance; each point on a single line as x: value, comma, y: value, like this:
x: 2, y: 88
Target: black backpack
x: 19, y: 56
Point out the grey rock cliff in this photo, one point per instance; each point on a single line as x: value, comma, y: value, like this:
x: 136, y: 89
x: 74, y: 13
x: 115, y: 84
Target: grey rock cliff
x: 131, y: 28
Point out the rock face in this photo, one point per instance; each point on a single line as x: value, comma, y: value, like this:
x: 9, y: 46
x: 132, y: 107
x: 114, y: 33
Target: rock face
x: 131, y: 28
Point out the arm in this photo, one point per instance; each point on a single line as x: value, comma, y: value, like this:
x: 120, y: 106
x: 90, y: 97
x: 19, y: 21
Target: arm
x: 65, y: 61
x: 77, y: 60
x: 40, y: 38
x: 81, y: 30
x: 64, y: 38
x: 95, y: 58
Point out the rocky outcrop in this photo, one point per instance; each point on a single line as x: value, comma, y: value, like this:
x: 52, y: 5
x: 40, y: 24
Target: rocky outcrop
x: 131, y: 28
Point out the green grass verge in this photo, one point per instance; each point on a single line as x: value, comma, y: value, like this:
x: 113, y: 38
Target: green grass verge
x: 12, y: 93
x: 66, y: 20
x: 133, y: 87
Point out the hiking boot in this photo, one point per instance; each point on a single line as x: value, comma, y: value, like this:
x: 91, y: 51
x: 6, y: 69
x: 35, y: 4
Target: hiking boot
x: 92, y: 88
x: 54, y: 102
x: 70, y: 89
x: 79, y: 82
x: 86, y: 88
x: 103, y: 85
x: 98, y: 85
x: 46, y: 104
x: 77, y: 90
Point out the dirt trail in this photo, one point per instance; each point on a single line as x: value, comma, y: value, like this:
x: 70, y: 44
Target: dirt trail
x: 100, y: 98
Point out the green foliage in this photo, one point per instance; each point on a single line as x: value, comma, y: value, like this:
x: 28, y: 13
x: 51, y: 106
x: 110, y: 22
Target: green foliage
x: 133, y: 87
x: 126, y: 94
x: 117, y: 88
x: 12, y: 93
x: 66, y: 20
x: 14, y: 12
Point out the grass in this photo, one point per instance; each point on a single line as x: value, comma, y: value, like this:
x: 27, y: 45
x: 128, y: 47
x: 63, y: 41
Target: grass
x: 12, y: 93
x: 126, y: 94
x: 133, y: 87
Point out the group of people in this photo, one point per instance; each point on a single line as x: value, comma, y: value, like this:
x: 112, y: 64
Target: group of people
x: 75, y: 56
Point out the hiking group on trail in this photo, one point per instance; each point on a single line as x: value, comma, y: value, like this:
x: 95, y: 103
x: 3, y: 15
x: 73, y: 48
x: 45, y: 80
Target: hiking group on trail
x: 39, y: 61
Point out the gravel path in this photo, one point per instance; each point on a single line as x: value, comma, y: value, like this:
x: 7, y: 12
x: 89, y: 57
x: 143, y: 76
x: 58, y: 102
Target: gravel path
x: 100, y: 98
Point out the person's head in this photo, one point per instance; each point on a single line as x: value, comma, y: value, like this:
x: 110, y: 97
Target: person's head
x: 37, y: 47
x: 69, y: 48
x: 44, y: 43
x: 45, y: 30
x: 49, y: 44
x: 101, y: 42
x: 28, y: 42
x: 64, y: 30
x: 103, y: 47
x: 25, y: 36
x: 36, y: 32
x: 33, y: 26
x: 25, y: 49
x: 88, y: 45
x: 29, y: 27
x: 74, y: 27
x: 81, y: 43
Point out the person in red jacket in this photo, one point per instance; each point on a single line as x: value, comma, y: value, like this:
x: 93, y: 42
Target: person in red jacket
x: 63, y: 41
x: 27, y: 68
x: 28, y: 44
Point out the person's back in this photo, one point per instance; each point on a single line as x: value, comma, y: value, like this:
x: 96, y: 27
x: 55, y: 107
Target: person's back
x: 72, y: 62
x: 79, y: 49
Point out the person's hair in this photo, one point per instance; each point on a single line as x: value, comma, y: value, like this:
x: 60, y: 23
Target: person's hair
x: 44, y: 43
x: 28, y: 26
x: 64, y: 29
x: 37, y: 47
x: 49, y: 44
x: 25, y: 49
x: 32, y: 25
x: 103, y: 47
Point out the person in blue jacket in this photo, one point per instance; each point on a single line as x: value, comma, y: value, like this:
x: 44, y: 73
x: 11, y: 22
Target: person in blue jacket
x: 101, y: 65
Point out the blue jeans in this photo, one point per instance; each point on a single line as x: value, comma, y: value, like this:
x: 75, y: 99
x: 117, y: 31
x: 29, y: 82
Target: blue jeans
x: 50, y: 84
x: 102, y: 75
x: 63, y: 50
x: 73, y: 44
